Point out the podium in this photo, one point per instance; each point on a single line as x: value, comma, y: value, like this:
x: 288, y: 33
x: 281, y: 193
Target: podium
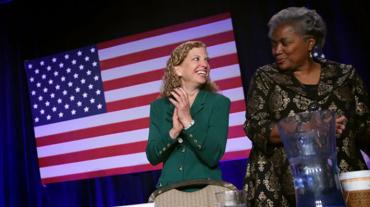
x: 140, y: 205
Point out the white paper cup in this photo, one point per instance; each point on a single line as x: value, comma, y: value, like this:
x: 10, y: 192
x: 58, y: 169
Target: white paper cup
x: 231, y: 198
x: 356, y: 188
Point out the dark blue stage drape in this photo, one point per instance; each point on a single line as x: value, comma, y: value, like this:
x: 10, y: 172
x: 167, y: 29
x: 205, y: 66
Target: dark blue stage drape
x: 24, y: 35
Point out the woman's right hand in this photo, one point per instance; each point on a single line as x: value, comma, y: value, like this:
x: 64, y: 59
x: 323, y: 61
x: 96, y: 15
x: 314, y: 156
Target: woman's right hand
x: 340, y: 124
x: 274, y: 135
x: 180, y: 100
x: 176, y: 125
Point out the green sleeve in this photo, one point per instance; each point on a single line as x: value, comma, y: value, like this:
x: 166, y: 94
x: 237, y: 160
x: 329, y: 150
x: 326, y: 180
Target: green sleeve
x: 209, y: 145
x: 159, y: 144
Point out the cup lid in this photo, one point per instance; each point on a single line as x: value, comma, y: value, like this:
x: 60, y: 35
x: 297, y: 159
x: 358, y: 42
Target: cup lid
x: 354, y: 174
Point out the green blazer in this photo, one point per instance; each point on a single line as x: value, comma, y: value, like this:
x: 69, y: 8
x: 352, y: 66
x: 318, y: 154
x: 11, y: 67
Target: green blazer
x: 196, y: 152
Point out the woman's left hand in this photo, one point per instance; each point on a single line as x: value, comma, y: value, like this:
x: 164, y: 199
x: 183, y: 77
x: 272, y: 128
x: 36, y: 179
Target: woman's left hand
x: 176, y: 125
x: 340, y: 124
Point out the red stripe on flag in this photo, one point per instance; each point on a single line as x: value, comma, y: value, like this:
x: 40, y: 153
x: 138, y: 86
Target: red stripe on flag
x: 229, y: 83
x: 161, y: 51
x: 163, y: 30
x: 236, y: 132
x: 100, y: 173
x: 131, y: 102
x: 133, y: 80
x: 92, y: 154
x: 157, y: 74
x: 236, y: 155
x: 224, y: 60
x: 237, y: 106
x: 93, y: 131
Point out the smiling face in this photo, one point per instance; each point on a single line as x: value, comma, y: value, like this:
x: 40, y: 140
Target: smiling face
x: 290, y: 49
x: 194, y: 70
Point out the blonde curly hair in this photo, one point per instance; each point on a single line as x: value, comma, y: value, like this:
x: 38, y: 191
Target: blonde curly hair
x: 170, y: 79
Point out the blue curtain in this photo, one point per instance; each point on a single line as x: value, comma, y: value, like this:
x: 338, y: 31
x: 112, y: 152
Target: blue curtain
x: 348, y: 42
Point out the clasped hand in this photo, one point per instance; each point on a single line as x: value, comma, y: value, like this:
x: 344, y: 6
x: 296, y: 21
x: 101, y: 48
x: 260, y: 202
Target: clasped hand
x: 340, y: 124
x: 181, y: 116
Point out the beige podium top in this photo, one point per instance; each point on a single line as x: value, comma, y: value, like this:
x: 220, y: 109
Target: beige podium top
x: 140, y: 205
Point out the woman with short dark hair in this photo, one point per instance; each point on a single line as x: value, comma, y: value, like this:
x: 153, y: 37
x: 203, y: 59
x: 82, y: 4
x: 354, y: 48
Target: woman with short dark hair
x: 298, y: 82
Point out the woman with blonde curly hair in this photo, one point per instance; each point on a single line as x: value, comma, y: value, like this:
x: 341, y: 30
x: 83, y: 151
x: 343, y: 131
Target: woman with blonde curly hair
x: 189, y: 122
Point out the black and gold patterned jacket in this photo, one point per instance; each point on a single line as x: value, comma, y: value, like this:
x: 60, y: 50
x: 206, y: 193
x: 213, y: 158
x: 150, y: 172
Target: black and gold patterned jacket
x: 275, y: 94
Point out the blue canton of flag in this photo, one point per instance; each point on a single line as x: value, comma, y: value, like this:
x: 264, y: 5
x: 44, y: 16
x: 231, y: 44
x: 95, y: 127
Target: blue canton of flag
x: 65, y: 86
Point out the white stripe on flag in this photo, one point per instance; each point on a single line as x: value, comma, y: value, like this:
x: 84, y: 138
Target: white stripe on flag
x: 134, y: 69
x: 225, y: 72
x: 94, y: 165
x: 234, y: 94
x: 237, y: 118
x: 92, y: 121
x: 94, y: 143
x: 166, y: 39
x: 238, y: 144
x: 133, y: 91
x: 222, y: 49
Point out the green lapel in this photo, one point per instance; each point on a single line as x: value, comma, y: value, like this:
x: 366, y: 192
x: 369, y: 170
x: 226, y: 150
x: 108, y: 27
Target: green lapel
x: 199, y: 102
x: 170, y: 109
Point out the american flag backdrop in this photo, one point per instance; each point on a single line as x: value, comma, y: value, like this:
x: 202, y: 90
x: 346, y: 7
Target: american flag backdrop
x: 90, y: 105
